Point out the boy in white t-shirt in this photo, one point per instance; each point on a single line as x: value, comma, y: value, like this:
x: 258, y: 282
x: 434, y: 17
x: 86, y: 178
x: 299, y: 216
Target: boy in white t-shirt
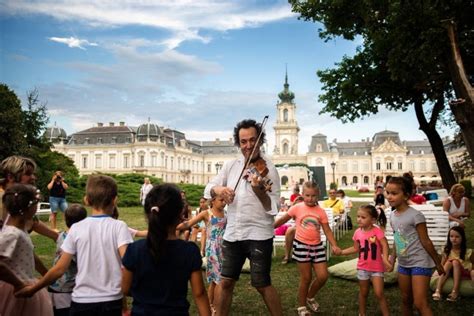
x: 99, y: 242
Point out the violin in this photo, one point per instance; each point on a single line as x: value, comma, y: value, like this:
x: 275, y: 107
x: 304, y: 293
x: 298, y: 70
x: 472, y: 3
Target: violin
x: 258, y: 167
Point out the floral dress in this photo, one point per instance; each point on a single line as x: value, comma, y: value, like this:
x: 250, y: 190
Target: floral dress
x: 215, y: 235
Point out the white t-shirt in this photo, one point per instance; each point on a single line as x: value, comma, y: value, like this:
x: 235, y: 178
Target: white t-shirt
x: 95, y: 241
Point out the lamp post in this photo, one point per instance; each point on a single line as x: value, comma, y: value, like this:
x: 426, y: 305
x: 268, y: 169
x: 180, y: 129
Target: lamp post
x: 217, y: 167
x: 333, y: 166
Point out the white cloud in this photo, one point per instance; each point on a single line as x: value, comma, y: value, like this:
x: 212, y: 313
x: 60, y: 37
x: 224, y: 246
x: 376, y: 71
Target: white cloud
x: 183, y: 19
x: 72, y: 42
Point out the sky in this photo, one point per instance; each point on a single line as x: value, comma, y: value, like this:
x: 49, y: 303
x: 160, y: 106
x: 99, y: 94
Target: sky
x: 195, y: 66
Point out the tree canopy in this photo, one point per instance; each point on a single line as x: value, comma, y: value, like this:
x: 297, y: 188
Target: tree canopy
x: 405, y: 59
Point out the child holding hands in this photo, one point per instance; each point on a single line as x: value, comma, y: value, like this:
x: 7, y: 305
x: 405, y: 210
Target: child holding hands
x: 308, y: 250
x: 216, y: 222
x: 99, y: 241
x: 457, y: 260
x: 157, y: 269
x: 416, y: 254
x: 16, y: 255
x: 372, y: 246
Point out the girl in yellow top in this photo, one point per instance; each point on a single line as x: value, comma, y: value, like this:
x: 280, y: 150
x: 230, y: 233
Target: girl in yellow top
x: 457, y: 260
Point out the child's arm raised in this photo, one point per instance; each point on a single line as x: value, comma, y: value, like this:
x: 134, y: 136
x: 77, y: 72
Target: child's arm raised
x: 55, y: 272
x: 330, y: 236
x: 281, y: 220
x: 199, y: 293
x: 193, y: 221
x: 428, y: 245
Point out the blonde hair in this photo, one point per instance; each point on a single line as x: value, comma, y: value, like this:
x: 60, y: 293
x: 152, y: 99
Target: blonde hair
x: 15, y: 166
x: 311, y: 185
x: 457, y: 188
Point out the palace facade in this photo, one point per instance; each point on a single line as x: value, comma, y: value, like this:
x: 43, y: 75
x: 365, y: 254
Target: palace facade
x: 167, y: 153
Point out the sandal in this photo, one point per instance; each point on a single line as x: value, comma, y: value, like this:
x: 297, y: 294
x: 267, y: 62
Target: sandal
x: 436, y: 296
x: 284, y: 261
x: 303, y: 311
x: 453, y: 296
x: 312, y: 304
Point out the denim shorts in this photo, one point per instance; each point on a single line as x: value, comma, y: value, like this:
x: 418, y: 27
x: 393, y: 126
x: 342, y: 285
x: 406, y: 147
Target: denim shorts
x: 259, y: 252
x: 415, y: 271
x: 57, y: 203
x: 367, y: 275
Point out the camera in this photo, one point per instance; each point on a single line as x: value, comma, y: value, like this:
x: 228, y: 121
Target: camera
x: 58, y: 178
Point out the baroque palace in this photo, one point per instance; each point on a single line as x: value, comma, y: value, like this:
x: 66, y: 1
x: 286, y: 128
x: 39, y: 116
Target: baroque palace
x: 167, y: 154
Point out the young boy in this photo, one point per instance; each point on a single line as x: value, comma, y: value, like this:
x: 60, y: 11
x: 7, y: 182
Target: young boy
x: 99, y: 242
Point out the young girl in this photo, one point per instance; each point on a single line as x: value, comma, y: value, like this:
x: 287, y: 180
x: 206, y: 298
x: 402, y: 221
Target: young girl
x: 157, y: 269
x: 370, y: 242
x: 308, y: 250
x: 215, y: 227
x: 16, y: 255
x: 457, y: 260
x: 416, y: 255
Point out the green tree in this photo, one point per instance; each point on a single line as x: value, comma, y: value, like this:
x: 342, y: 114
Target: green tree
x: 404, y: 61
x: 12, y: 139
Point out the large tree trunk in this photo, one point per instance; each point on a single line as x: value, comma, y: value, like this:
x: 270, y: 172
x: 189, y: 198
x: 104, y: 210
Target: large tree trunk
x: 435, y: 140
x: 463, y: 107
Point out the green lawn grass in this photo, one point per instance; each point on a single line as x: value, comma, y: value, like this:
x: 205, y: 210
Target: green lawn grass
x: 338, y: 297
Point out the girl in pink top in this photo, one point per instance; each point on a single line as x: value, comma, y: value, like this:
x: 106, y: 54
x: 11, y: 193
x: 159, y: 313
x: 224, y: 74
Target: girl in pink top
x: 308, y: 250
x: 370, y: 242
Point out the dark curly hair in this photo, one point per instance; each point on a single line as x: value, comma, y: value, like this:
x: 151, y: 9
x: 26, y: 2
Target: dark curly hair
x: 248, y: 123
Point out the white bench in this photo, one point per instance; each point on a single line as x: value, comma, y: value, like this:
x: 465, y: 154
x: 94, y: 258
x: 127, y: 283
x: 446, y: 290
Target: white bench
x: 437, y: 224
x: 279, y: 240
x: 43, y: 208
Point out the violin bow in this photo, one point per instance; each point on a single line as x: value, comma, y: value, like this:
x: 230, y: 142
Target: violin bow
x: 257, y: 144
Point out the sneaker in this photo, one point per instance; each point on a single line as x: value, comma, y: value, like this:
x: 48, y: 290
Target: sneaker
x: 303, y: 311
x: 312, y: 304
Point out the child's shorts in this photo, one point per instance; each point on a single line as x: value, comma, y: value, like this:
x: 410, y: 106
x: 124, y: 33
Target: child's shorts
x: 308, y: 253
x: 415, y: 271
x: 367, y: 275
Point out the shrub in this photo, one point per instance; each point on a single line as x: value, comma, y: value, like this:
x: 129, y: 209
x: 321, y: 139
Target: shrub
x: 468, y: 187
x: 333, y: 186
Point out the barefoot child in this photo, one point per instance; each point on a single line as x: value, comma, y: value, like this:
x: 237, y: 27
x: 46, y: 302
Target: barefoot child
x: 99, y: 241
x: 457, y: 260
x: 157, y: 269
x: 308, y: 250
x: 416, y: 254
x: 215, y: 227
x: 372, y: 246
x: 16, y: 254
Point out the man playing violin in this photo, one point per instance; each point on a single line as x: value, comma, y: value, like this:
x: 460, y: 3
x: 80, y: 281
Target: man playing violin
x: 252, y: 205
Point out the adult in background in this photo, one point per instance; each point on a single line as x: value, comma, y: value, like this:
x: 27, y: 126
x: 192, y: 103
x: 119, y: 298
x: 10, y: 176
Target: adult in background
x: 146, y: 187
x: 457, y: 206
x: 57, y: 196
x: 334, y: 203
x: 295, y: 194
x: 18, y: 169
x: 250, y: 216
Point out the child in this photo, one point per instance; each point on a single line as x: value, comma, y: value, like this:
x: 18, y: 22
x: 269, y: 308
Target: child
x: 16, y: 254
x: 99, y: 242
x: 200, y: 227
x: 215, y: 227
x: 458, y: 260
x: 62, y: 288
x: 370, y: 242
x: 308, y: 250
x: 415, y: 251
x: 157, y: 269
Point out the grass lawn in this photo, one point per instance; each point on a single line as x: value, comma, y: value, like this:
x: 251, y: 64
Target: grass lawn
x: 338, y: 296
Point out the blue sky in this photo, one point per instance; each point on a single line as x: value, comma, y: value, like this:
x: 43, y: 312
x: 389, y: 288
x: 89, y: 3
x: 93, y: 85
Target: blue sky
x: 197, y: 66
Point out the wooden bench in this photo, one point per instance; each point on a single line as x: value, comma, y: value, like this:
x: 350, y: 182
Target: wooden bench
x: 279, y: 240
x: 437, y: 223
